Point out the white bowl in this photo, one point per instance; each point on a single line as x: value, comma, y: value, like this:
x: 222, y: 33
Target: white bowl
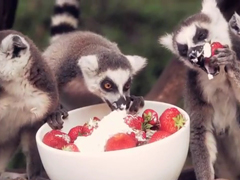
x: 161, y: 160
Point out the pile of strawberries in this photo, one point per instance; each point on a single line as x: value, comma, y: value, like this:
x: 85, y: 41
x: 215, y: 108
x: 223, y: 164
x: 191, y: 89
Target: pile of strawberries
x: 147, y: 128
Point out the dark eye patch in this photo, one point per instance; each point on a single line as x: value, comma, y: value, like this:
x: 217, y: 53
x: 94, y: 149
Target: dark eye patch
x: 127, y: 85
x: 182, y: 49
x: 200, y: 35
x: 108, y: 85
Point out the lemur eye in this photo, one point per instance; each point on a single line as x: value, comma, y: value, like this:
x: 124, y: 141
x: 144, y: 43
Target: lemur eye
x: 126, y: 87
x: 202, y: 34
x: 183, y: 49
x: 107, y: 85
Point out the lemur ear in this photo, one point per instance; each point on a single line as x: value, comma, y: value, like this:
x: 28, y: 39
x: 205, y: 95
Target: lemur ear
x: 88, y: 64
x: 167, y: 41
x: 137, y: 62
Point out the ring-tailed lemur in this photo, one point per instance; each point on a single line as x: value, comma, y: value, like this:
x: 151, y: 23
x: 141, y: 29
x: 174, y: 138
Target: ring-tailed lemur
x: 28, y: 97
x: 213, y: 105
x: 85, y: 62
x: 234, y: 24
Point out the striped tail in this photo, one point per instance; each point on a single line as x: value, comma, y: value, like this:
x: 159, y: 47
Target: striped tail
x: 65, y: 18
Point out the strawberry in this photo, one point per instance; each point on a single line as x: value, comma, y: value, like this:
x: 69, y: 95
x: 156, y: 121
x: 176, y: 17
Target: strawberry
x: 159, y: 135
x: 140, y: 135
x: 150, y: 116
x: 75, y: 132
x: 215, y: 46
x: 135, y: 122
x: 56, y: 139
x: 171, y: 120
x: 96, y: 118
x: 120, y: 141
x: 87, y: 129
x: 70, y: 147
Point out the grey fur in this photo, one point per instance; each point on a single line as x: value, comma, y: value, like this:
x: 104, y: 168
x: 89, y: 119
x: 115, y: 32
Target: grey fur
x: 18, y: 125
x: 234, y: 24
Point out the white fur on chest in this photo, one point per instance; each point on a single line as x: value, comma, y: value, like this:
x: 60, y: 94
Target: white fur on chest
x: 21, y: 104
x: 220, y: 95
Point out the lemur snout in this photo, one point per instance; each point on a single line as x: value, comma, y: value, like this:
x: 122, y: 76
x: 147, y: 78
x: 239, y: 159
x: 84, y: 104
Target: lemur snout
x: 121, y: 103
x: 195, y: 54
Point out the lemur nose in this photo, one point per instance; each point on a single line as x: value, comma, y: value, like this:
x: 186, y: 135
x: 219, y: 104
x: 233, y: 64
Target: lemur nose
x: 121, y: 103
x: 192, y: 55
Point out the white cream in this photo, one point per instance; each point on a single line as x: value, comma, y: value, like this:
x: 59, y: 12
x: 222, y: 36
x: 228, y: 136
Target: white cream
x: 109, y: 125
x: 207, y: 54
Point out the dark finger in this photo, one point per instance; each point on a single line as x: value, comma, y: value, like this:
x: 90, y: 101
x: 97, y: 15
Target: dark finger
x: 59, y: 120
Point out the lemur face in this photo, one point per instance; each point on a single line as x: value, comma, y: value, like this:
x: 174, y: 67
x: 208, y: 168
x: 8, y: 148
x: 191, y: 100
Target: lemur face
x: 14, y: 56
x: 192, y: 34
x: 234, y: 24
x: 208, y: 25
x: 110, y: 76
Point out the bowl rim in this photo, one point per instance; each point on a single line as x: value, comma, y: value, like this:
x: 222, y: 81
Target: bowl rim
x: 129, y: 150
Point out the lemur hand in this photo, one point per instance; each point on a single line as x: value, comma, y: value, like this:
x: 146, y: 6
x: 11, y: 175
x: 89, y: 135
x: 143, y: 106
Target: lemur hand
x: 224, y: 56
x: 54, y: 120
x: 134, y: 104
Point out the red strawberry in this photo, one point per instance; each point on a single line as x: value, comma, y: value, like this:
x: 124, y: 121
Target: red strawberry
x: 150, y: 116
x: 159, y: 135
x: 140, y: 135
x: 135, y: 122
x: 215, y: 46
x: 87, y: 129
x: 96, y: 118
x: 75, y: 132
x: 171, y: 120
x: 70, y: 147
x: 120, y: 141
x: 56, y: 139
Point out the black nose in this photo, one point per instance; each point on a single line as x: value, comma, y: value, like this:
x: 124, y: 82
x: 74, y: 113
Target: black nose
x: 192, y: 54
x: 195, y: 52
x: 121, y: 103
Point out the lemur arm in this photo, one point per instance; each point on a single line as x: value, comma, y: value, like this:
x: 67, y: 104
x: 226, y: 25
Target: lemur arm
x: 202, y: 142
x: 227, y: 57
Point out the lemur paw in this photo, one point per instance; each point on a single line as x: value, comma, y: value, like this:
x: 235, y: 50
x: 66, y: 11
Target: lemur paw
x: 224, y: 56
x: 134, y: 104
x: 55, y: 120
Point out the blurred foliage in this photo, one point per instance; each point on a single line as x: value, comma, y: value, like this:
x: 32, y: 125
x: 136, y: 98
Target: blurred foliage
x: 135, y: 25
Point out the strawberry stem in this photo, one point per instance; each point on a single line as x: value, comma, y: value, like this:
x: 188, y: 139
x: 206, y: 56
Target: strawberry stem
x: 179, y: 121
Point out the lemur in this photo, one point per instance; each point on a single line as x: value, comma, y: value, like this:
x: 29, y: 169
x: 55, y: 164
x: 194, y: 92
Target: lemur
x: 213, y: 105
x: 86, y: 63
x: 234, y: 24
x: 28, y: 99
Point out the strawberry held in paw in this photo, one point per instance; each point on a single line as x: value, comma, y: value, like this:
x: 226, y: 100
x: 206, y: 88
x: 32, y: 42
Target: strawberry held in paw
x: 56, y: 139
x: 208, y: 52
x: 120, y: 141
x: 215, y: 46
x: 171, y: 120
